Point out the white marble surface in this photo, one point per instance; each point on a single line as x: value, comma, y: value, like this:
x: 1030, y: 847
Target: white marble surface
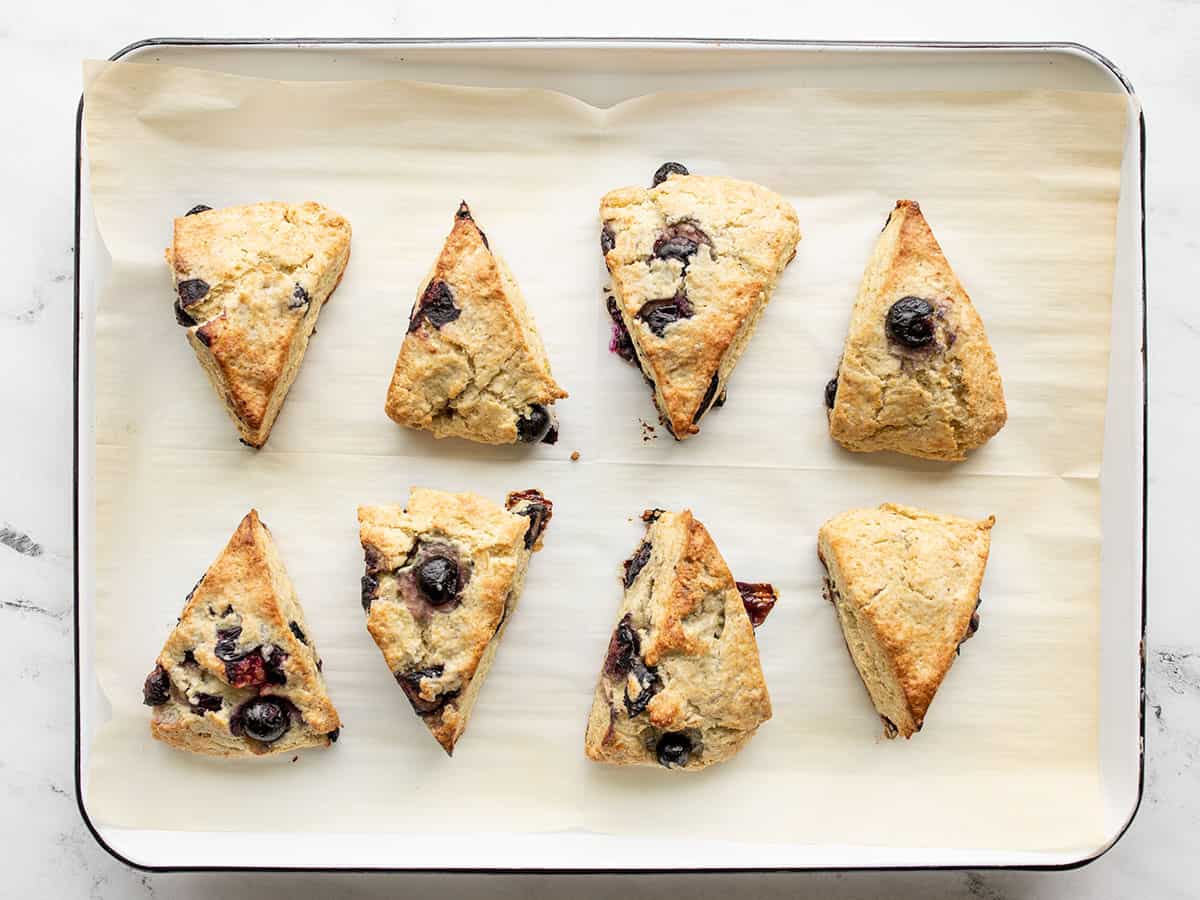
x: 43, y: 843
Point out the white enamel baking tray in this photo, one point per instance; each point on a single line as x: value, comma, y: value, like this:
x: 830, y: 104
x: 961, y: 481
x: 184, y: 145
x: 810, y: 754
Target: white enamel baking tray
x: 603, y: 72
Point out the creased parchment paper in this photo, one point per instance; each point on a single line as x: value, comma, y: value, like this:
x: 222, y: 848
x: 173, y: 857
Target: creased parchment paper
x: 1021, y: 190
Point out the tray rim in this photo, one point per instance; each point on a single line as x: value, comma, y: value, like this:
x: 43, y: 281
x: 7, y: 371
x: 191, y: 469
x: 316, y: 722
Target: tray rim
x: 1094, y: 56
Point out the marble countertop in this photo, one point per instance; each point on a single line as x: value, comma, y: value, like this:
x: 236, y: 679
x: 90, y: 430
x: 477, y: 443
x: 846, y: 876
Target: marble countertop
x: 48, y: 850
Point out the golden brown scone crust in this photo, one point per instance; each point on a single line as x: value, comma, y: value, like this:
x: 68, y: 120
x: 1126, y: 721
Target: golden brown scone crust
x: 246, y: 587
x: 906, y: 585
x: 453, y: 645
x: 751, y: 235
x: 475, y: 376
x: 693, y: 632
x: 936, y: 402
x: 250, y: 283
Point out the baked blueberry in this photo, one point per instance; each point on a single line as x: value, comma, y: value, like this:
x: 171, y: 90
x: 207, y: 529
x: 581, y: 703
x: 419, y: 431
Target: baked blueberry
x: 300, y: 298
x: 673, y: 749
x: 157, y: 689
x: 435, y: 306
x: 831, y: 392
x: 437, y: 577
x: 226, y: 645
x: 620, y: 343
x: 265, y: 719
x: 758, y: 599
x: 207, y: 702
x: 667, y: 169
x: 192, y: 291
x: 535, y: 425
x: 608, y: 240
x: 334, y: 735
x: 273, y: 660
x: 680, y: 241
x: 658, y: 314
x: 181, y: 315
x: 648, y: 684
x: 370, y: 584
x: 410, y: 683
x: 298, y: 632
x: 198, y: 208
x: 538, y: 510
x: 189, y: 658
x: 634, y: 564
x: 910, y: 322
x: 623, y: 648
x: 709, y: 395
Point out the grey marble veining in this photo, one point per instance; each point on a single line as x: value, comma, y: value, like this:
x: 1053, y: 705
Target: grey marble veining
x: 47, y: 849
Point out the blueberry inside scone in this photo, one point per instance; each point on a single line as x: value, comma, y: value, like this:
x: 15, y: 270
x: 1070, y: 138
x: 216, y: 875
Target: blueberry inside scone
x: 239, y: 674
x: 694, y: 260
x: 681, y: 685
x: 443, y: 577
x: 917, y: 374
x: 472, y: 363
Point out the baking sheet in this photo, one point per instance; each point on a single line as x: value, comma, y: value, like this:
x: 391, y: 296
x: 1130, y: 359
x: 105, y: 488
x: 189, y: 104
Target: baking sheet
x: 1021, y: 189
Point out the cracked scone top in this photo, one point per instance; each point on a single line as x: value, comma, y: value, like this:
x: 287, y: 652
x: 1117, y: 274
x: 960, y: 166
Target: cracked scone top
x: 240, y: 675
x: 681, y: 685
x: 250, y: 282
x: 905, y: 583
x: 917, y: 373
x: 444, y: 575
x: 694, y: 261
x: 472, y: 364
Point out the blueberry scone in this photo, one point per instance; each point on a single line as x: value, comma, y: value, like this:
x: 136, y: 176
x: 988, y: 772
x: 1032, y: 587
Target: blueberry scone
x: 917, y: 373
x: 906, y: 587
x: 681, y: 685
x: 250, y: 282
x: 240, y: 675
x: 444, y: 575
x: 694, y: 260
x: 472, y: 364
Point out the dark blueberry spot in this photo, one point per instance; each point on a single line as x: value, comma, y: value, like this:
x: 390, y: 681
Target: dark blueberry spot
x: 648, y: 684
x: 300, y: 298
x: 334, y: 735
x: 889, y: 727
x: 437, y: 577
x: 192, y: 291
x: 298, y: 632
x: 157, y: 689
x: 247, y: 671
x: 707, y: 400
x: 608, y: 240
x: 831, y: 391
x: 720, y: 401
x: 198, y: 208
x: 680, y: 241
x: 658, y: 314
x: 464, y: 211
x: 265, y: 719
x: 320, y: 666
x: 189, y: 659
x: 535, y: 425
x: 673, y: 749
x: 668, y: 168
x: 182, y: 317
x: 274, y: 665
x: 623, y: 648
x: 537, y: 509
x: 759, y: 599
x: 410, y: 683
x: 209, y: 702
x: 634, y: 564
x: 436, y: 306
x: 190, y: 593
x: 652, y: 515
x: 620, y: 343
x: 226, y: 646
x: 373, y: 558
x: 204, y: 337
x: 886, y: 223
x: 910, y: 322
x: 246, y: 443
x: 370, y: 584
x: 551, y: 437
x: 228, y: 610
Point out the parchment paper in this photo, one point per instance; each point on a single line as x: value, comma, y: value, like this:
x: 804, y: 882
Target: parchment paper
x: 1021, y: 190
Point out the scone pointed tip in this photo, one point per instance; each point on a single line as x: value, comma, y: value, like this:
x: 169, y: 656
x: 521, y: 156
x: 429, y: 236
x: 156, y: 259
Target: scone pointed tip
x: 464, y: 211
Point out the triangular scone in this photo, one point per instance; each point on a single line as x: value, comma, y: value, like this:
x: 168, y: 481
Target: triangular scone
x: 917, y: 374
x: 681, y: 685
x: 694, y: 261
x: 906, y: 586
x: 444, y: 575
x: 240, y: 675
x: 472, y: 364
x: 250, y: 282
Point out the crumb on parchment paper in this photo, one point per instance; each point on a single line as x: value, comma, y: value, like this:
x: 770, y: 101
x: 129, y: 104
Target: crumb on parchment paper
x: 574, y: 456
